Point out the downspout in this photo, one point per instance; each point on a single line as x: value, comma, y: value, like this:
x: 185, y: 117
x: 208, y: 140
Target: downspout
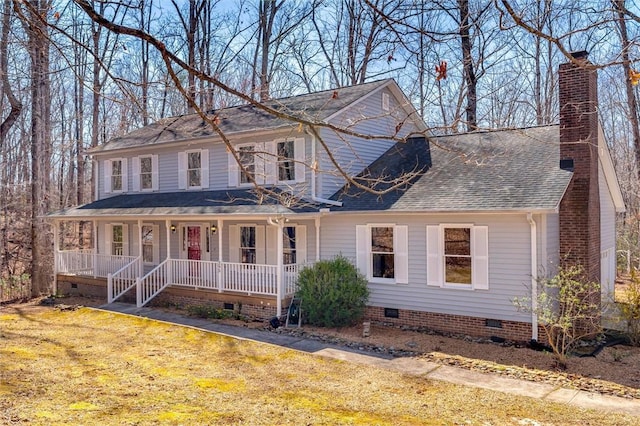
x: 278, y: 223
x: 534, y: 272
x: 314, y: 166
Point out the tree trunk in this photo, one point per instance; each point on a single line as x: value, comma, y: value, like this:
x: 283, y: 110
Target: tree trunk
x: 467, y: 62
x: 632, y: 103
x: 41, y: 241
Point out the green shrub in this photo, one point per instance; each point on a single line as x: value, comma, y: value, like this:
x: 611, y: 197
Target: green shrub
x: 567, y: 307
x: 333, y: 293
x: 630, y: 308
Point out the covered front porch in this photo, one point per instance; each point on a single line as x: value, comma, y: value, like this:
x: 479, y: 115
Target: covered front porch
x: 126, y: 273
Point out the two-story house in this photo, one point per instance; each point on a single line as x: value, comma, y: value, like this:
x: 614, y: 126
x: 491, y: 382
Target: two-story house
x: 179, y: 216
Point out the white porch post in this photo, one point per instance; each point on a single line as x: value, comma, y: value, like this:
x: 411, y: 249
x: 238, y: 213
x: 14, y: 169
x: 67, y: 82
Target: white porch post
x: 280, y: 260
x: 140, y: 262
x: 219, y: 268
x: 167, y: 225
x: 94, y: 225
x: 279, y: 222
x: 317, y: 222
x: 56, y: 254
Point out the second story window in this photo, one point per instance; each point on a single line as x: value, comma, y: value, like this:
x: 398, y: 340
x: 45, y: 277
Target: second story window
x: 115, y: 175
x: 194, y: 166
x: 248, y: 161
x: 286, y: 161
x: 193, y: 169
x: 145, y: 173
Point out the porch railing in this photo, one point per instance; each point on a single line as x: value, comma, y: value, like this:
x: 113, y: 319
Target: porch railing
x: 153, y: 283
x: 124, y: 279
x: 89, y: 263
x: 249, y: 278
x: 125, y: 272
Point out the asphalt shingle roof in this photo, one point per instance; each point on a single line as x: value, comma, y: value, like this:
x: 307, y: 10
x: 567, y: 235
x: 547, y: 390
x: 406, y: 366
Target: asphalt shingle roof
x: 480, y: 171
x: 316, y: 106
x: 186, y: 203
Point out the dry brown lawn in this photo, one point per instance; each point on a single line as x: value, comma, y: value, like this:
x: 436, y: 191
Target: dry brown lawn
x: 92, y: 367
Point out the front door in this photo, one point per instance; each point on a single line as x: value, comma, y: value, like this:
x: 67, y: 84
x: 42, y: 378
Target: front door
x: 194, y: 251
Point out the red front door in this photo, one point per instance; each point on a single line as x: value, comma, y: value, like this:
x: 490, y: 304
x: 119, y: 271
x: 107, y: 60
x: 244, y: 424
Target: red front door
x: 193, y: 243
x: 193, y: 249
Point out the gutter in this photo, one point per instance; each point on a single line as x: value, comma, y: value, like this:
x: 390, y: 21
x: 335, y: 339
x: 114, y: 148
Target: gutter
x: 534, y: 271
x: 314, y: 197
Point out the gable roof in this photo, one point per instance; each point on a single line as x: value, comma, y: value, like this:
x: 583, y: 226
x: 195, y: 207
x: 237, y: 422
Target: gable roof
x: 317, y: 106
x: 507, y: 170
x: 241, y: 202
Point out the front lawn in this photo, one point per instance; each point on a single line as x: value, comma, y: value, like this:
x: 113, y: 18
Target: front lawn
x: 92, y: 367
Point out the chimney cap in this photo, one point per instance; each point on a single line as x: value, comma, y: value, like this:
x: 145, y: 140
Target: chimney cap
x: 579, y: 54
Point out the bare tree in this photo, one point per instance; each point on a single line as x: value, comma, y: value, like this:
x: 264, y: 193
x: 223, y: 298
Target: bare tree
x: 38, y: 47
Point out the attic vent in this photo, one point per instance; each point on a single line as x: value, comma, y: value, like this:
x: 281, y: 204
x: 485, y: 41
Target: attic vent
x: 391, y: 313
x: 385, y: 102
x: 567, y: 164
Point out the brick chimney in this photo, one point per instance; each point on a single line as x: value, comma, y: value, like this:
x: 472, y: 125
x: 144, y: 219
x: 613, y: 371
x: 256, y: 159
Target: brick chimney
x: 580, y: 207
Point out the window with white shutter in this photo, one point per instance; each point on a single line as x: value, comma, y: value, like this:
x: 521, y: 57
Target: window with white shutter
x: 458, y: 256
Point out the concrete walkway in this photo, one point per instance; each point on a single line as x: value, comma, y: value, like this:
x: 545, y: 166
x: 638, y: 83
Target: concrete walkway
x: 418, y: 367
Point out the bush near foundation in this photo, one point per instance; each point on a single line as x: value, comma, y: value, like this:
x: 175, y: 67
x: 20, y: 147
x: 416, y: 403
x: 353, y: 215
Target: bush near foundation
x: 333, y: 293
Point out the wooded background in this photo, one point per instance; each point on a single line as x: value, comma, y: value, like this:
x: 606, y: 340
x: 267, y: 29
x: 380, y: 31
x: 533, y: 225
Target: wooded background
x: 76, y: 73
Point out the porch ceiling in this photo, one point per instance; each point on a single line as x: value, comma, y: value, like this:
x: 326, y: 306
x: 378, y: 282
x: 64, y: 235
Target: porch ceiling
x: 187, y: 203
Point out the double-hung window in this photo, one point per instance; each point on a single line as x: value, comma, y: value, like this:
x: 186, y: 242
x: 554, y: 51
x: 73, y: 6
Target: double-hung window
x: 247, y: 155
x: 457, y: 256
x: 150, y: 246
x: 193, y: 169
x: 116, y: 241
x: 248, y: 244
x: 289, y: 250
x: 279, y: 161
x: 286, y: 161
x: 145, y: 173
x: 382, y: 252
x: 115, y: 175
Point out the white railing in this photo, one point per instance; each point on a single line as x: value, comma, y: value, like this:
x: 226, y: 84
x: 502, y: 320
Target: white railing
x: 249, y: 278
x: 290, y: 278
x: 195, y: 273
x: 89, y: 263
x: 153, y: 283
x: 78, y: 262
x: 123, y: 272
x: 124, y: 279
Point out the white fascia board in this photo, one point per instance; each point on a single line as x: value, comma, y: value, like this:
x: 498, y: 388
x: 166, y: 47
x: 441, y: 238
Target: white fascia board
x: 610, y: 176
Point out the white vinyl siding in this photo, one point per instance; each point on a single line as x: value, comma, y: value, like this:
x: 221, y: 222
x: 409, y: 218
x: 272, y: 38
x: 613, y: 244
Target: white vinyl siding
x: 607, y: 239
x: 508, y: 264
